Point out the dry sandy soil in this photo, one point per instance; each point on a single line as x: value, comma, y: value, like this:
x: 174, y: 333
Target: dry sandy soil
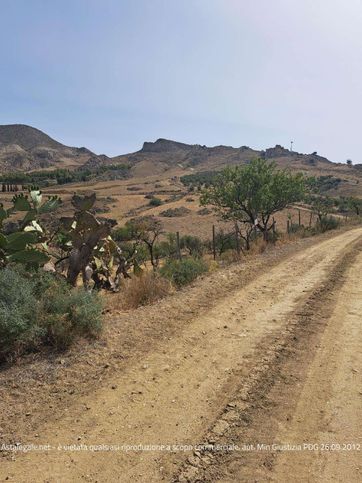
x: 126, y: 199
x: 264, y: 352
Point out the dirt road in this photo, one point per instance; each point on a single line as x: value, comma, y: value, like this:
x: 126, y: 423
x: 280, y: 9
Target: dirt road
x: 278, y: 361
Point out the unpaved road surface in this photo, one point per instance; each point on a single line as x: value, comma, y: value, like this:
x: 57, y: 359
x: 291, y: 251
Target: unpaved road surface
x: 277, y: 361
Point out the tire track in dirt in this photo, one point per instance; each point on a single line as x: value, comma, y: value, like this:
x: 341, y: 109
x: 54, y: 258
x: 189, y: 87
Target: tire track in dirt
x: 176, y: 392
x: 329, y: 408
x: 306, y: 391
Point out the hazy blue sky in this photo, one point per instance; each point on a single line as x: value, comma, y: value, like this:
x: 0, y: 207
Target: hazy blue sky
x: 110, y: 74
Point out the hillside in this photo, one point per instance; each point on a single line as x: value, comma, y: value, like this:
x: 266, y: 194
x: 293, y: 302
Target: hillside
x: 25, y: 148
x: 161, y: 156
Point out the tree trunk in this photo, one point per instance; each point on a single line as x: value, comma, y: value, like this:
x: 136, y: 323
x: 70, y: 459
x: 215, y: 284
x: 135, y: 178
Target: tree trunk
x: 78, y: 260
x: 152, y: 258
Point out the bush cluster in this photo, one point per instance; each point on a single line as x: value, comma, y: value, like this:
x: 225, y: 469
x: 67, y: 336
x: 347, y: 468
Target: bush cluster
x: 328, y: 223
x: 39, y: 309
x: 155, y: 202
x: 145, y: 289
x: 184, y: 271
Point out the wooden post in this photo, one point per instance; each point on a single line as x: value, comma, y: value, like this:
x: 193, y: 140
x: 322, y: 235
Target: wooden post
x: 237, y: 239
x: 299, y: 217
x: 213, y: 242
x: 178, y: 250
x: 288, y: 226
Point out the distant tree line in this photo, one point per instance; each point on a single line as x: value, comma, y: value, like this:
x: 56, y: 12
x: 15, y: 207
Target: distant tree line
x: 199, y: 180
x: 64, y: 176
x: 322, y: 184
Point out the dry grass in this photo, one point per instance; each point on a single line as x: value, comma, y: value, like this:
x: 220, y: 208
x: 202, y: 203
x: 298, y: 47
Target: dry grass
x: 258, y: 246
x: 145, y: 289
x: 229, y: 256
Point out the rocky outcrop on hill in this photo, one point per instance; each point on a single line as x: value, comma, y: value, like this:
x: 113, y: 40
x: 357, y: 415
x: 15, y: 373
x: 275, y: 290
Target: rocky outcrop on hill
x: 277, y: 152
x: 165, y: 145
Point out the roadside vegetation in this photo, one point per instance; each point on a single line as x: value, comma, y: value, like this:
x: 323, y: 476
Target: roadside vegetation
x: 39, y: 310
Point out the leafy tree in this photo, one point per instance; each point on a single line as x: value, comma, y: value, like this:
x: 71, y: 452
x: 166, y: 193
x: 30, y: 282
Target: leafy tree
x: 205, y: 178
x: 166, y: 248
x: 321, y: 207
x: 192, y: 244
x: 251, y: 194
x: 355, y: 204
x: 224, y: 241
x: 147, y: 229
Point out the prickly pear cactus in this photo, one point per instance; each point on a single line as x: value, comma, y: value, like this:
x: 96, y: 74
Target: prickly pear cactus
x: 28, y: 244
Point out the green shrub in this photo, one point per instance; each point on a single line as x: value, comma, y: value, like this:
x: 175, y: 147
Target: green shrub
x: 224, y: 241
x: 18, y: 312
x: 67, y: 313
x: 155, y: 202
x: 182, y: 272
x: 166, y: 248
x: 295, y: 227
x: 39, y: 308
x: 123, y: 233
x: 192, y: 244
x: 178, y: 211
x: 328, y: 223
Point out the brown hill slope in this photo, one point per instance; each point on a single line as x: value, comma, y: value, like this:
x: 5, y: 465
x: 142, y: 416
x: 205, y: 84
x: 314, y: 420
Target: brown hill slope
x: 163, y: 154
x: 24, y: 148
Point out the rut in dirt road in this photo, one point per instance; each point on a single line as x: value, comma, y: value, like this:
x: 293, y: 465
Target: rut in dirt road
x: 301, y: 418
x: 329, y: 407
x: 178, y: 391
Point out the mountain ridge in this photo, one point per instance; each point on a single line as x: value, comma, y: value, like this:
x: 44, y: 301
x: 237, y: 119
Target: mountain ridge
x: 25, y: 148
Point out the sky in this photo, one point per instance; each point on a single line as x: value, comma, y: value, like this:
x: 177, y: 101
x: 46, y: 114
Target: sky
x: 111, y: 74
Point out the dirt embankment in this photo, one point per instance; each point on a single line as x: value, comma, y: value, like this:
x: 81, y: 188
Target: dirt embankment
x: 218, y: 362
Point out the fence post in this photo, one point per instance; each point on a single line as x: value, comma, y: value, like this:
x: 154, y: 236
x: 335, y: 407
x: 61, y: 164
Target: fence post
x: 237, y: 239
x: 213, y: 242
x: 178, y: 250
x: 299, y: 217
x: 288, y: 226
